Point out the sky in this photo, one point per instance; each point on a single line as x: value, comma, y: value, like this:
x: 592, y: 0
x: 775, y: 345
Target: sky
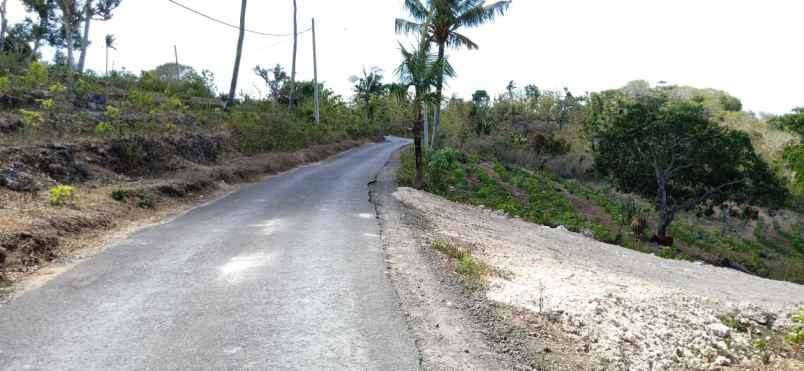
x: 750, y: 48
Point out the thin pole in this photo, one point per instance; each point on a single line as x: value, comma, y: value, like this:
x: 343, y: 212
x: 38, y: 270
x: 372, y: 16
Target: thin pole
x: 315, y: 81
x: 178, y: 69
x: 293, y: 66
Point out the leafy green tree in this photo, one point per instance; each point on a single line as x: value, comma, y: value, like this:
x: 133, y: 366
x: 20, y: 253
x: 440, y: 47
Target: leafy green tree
x: 442, y: 19
x: 276, y: 79
x: 792, y: 122
x: 366, y: 87
x: 99, y: 10
x: 421, y: 70
x: 671, y: 152
x: 480, y: 105
x: 70, y: 18
x: 45, y: 25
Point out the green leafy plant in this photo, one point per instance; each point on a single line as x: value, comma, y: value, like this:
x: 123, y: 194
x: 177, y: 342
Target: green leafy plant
x: 5, y: 84
x: 37, y: 75
x: 796, y: 335
x: 57, y: 88
x: 173, y: 103
x: 469, y: 265
x: 103, y: 128
x: 62, y: 195
x: 46, y: 104
x: 32, y: 119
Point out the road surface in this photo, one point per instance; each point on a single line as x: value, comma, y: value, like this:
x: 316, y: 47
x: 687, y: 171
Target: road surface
x: 287, y: 273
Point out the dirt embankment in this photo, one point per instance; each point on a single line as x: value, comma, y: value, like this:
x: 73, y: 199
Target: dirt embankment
x: 119, y: 184
x: 574, y: 303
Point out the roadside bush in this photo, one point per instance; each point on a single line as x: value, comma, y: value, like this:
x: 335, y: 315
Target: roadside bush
x: 62, y: 195
x: 796, y: 335
x: 37, y: 75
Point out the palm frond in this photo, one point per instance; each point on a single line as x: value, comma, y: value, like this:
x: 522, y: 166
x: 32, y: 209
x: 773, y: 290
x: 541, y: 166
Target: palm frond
x: 416, y: 9
x: 405, y: 26
x: 481, y: 13
x: 457, y: 40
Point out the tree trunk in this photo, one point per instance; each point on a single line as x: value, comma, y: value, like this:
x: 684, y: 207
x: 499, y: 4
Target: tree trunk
x: 3, y: 25
x: 426, y: 125
x: 417, y: 142
x: 85, y: 40
x: 68, y: 32
x: 439, y: 92
x: 107, y: 61
x: 236, y: 72
x: 666, y: 214
x: 293, y: 66
x: 39, y: 37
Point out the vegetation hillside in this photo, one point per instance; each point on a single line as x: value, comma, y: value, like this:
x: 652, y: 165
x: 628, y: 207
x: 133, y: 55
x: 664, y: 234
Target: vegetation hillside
x: 537, y: 155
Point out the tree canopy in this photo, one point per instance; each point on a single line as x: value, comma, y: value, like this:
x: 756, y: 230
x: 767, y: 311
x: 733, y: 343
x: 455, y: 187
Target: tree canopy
x: 670, y: 151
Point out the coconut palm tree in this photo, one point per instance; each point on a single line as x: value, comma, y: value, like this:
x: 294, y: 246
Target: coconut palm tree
x: 421, y: 70
x: 110, y: 39
x: 233, y: 87
x: 370, y: 84
x: 443, y: 19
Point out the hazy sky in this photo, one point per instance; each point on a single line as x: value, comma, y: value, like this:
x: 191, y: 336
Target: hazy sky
x: 750, y: 48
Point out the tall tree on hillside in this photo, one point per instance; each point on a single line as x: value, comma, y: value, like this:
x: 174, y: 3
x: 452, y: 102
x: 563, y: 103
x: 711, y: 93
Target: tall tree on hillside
x: 671, y: 152
x: 242, y: 35
x: 110, y: 39
x: 69, y: 18
x: 3, y: 24
x: 99, y: 10
x: 420, y: 69
x: 443, y: 19
x: 367, y: 86
x: 293, y: 66
x: 45, y: 11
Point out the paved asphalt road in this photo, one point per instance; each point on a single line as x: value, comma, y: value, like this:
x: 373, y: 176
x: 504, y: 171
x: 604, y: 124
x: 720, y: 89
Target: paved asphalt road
x: 287, y: 273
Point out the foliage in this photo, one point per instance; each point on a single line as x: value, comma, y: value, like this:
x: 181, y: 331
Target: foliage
x: 32, y: 119
x: 5, y: 84
x: 62, y: 195
x: 37, y: 75
x: 103, y: 128
x: 796, y: 335
x: 672, y: 153
x: 468, y: 265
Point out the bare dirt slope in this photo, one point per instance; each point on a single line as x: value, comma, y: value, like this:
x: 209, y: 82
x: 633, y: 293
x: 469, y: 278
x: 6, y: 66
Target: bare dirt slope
x: 624, y: 309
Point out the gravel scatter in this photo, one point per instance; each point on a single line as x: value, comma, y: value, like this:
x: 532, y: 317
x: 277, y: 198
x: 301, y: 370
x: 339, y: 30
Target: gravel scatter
x: 626, y: 309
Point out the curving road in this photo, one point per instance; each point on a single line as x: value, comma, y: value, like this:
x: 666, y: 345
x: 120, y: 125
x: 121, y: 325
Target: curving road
x: 288, y: 273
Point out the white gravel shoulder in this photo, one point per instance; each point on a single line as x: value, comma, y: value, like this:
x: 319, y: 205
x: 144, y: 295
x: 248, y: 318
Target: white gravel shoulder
x: 636, y: 310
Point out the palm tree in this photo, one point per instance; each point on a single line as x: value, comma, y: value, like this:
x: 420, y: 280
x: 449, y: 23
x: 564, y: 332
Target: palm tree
x: 443, y: 19
x: 110, y: 39
x: 233, y: 87
x: 420, y: 69
x: 366, y: 87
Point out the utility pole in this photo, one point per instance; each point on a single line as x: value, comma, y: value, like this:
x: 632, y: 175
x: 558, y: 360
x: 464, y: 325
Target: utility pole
x: 293, y: 66
x: 178, y: 69
x: 315, y: 81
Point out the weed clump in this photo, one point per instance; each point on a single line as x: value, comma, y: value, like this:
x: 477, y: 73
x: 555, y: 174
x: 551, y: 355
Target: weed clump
x: 62, y: 195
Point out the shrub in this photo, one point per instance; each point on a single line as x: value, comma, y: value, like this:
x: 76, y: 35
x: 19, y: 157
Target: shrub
x: 32, y: 119
x: 468, y: 265
x: 62, y: 195
x: 57, y: 88
x: 796, y: 335
x: 46, y: 104
x: 37, y: 75
x: 5, y: 84
x: 103, y: 128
